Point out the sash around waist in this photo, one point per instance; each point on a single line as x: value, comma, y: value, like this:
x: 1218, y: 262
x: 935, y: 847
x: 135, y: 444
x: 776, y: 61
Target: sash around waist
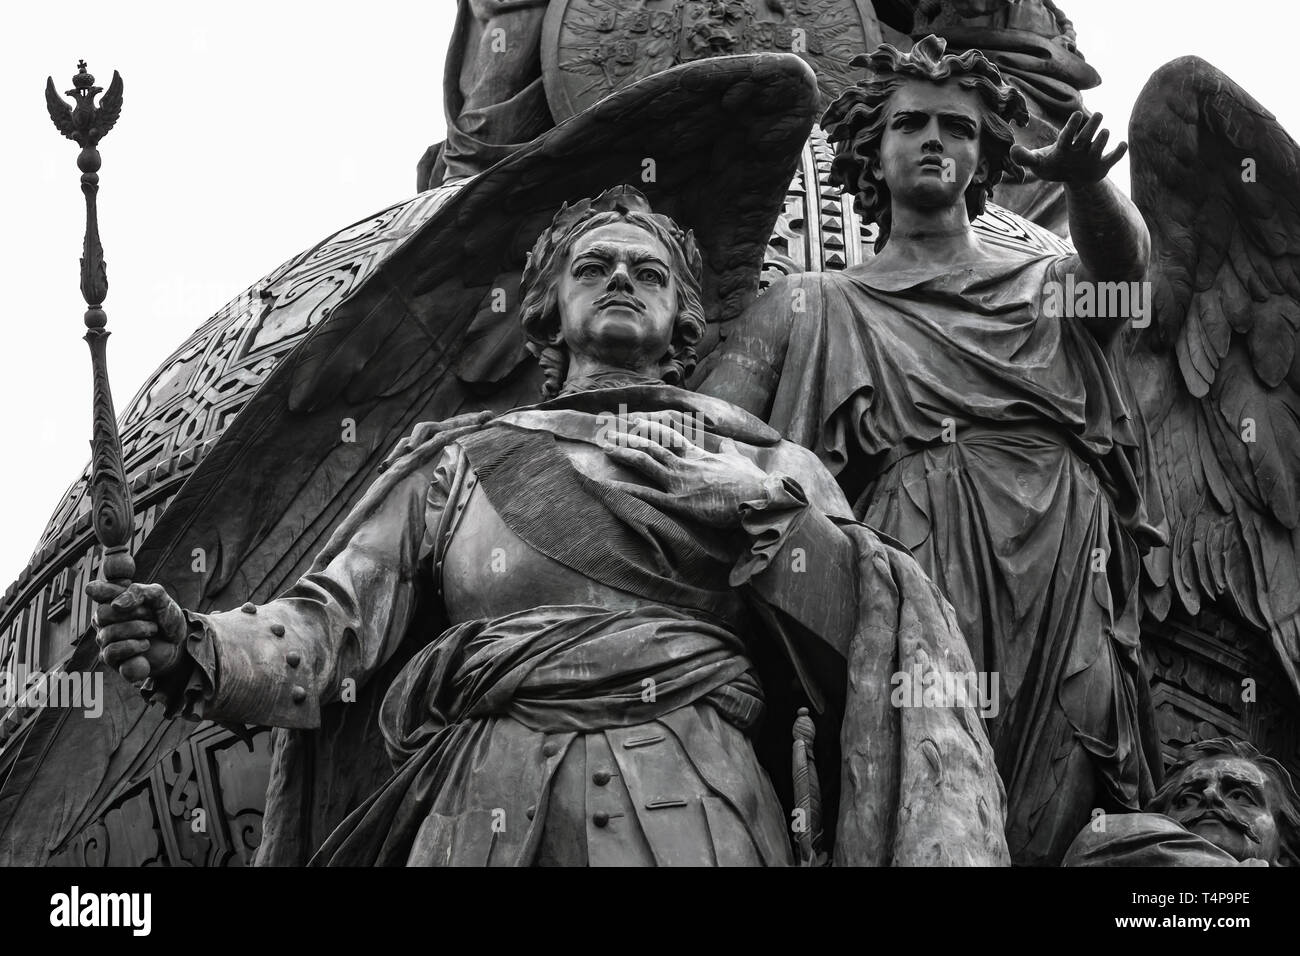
x: 569, y: 668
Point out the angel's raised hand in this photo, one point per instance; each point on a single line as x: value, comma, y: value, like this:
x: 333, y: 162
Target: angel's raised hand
x: 1078, y: 155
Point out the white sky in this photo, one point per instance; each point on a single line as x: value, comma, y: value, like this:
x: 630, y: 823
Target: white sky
x: 252, y: 130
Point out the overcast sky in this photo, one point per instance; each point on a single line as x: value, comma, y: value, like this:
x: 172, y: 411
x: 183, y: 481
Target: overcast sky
x: 252, y: 130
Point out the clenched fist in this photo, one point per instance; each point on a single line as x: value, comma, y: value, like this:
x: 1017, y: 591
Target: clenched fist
x: 141, y: 629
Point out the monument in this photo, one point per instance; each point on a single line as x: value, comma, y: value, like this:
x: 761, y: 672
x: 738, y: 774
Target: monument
x: 1040, y: 460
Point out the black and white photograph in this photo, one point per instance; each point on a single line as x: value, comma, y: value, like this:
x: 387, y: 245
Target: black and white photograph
x: 653, y: 433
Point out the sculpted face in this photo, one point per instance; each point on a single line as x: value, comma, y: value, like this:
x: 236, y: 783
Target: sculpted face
x: 930, y: 149
x: 618, y: 297
x: 1230, y: 802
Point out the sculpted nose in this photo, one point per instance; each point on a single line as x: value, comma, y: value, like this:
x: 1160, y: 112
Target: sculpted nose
x: 932, y: 146
x: 619, y: 280
x: 1211, y: 796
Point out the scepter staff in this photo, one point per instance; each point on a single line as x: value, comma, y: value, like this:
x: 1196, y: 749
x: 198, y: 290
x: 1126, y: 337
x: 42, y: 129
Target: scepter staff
x: 111, y: 513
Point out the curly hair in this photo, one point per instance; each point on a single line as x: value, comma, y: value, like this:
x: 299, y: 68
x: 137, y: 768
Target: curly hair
x: 855, y: 122
x: 1287, y: 814
x: 540, y: 309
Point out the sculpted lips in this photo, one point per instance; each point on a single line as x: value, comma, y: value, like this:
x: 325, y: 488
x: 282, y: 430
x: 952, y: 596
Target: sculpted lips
x: 931, y: 161
x: 624, y: 301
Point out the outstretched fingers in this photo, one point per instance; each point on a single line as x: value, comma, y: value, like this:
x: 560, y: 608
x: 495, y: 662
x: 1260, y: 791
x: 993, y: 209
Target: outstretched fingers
x: 1084, y: 136
x: 1071, y: 129
x: 1025, y: 156
x: 1108, y: 162
x: 1098, y: 145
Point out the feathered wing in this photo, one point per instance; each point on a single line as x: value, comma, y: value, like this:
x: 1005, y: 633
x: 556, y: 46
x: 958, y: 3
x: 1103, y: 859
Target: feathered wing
x: 1218, y: 181
x: 110, y: 105
x: 60, y: 111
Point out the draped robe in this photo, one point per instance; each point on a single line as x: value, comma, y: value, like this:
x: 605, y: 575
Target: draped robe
x: 494, y: 100
x: 995, y: 441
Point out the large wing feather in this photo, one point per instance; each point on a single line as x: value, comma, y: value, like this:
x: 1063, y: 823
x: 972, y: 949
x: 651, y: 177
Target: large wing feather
x: 110, y: 105
x: 59, y: 109
x: 1218, y: 182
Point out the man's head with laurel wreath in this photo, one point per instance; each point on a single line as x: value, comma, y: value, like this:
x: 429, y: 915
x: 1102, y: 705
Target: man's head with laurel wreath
x: 926, y: 127
x: 613, y: 285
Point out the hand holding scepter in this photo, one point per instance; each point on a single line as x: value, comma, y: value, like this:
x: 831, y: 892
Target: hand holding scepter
x: 145, y: 620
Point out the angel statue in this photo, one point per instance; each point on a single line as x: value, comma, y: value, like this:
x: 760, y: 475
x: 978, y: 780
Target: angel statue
x: 1024, y: 422
x: 990, y: 438
x: 595, y: 585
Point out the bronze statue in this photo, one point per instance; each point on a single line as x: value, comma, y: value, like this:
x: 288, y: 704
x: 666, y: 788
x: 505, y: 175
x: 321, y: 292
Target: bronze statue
x: 605, y: 569
x: 1032, y: 426
x: 516, y: 67
x: 1033, y: 45
x: 492, y: 87
x: 1067, y: 442
x: 1223, y: 804
x: 993, y: 442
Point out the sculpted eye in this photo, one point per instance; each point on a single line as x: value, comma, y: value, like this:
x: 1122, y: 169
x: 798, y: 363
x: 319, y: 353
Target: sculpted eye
x: 1241, y: 795
x: 590, y: 270
x: 650, y: 276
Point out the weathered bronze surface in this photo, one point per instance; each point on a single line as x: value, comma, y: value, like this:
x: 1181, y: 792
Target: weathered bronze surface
x: 1224, y: 804
x: 992, y: 431
x: 516, y: 67
x: 1074, y: 463
x: 608, y: 567
x: 590, y: 48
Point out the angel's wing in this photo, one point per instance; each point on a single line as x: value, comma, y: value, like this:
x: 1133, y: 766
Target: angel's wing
x: 1218, y: 182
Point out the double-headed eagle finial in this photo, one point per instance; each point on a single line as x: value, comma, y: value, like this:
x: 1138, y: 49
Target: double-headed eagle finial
x: 112, y: 513
x: 86, y: 124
